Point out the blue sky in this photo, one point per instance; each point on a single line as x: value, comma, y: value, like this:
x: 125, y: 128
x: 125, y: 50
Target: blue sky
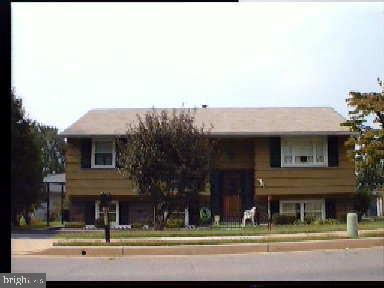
x: 68, y: 58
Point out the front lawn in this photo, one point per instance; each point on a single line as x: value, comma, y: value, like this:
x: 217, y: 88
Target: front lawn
x: 248, y: 231
x: 38, y: 226
x: 194, y: 242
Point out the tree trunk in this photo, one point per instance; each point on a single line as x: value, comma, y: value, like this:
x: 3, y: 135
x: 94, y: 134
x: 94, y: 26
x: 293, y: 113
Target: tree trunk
x: 27, y: 217
x: 15, y: 218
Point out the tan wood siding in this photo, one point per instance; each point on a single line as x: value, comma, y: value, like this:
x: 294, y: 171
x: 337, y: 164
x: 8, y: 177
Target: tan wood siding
x: 243, y: 154
x: 302, y: 181
x: 234, y: 154
x: 88, y: 181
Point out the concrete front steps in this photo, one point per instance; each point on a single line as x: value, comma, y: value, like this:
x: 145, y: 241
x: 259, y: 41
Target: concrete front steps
x: 118, y: 251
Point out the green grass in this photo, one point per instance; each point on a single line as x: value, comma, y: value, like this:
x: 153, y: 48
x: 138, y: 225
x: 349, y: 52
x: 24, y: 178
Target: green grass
x: 248, y: 231
x: 207, y: 242
x: 373, y: 234
x: 191, y: 242
x: 39, y: 226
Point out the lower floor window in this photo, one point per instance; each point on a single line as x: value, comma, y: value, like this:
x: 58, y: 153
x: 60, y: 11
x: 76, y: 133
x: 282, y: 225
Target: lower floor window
x: 113, y: 212
x: 313, y: 209
x: 303, y: 208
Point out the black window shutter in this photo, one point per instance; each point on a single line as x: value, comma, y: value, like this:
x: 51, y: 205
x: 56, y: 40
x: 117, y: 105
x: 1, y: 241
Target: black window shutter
x: 275, y: 207
x: 247, y: 189
x: 86, y: 153
x: 275, y: 152
x: 330, y: 209
x: 216, y: 178
x: 333, y: 151
x: 117, y: 159
x: 89, y: 213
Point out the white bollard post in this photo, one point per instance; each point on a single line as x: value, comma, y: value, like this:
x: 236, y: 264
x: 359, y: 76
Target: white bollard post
x: 186, y: 217
x: 352, y: 229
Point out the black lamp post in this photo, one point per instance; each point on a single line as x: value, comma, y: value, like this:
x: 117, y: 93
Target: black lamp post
x: 47, y: 191
x: 105, y: 202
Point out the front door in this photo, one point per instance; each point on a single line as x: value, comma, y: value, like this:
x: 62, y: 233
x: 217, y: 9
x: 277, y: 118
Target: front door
x: 231, y: 195
x: 231, y: 206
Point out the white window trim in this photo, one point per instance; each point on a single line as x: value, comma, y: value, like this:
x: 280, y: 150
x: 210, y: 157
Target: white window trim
x: 93, y: 165
x: 314, y: 164
x: 97, y: 211
x: 302, y: 201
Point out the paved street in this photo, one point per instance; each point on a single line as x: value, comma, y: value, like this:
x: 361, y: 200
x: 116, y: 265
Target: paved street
x: 352, y: 265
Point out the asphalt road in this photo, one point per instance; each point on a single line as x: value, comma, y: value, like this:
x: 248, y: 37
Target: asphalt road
x: 349, y: 265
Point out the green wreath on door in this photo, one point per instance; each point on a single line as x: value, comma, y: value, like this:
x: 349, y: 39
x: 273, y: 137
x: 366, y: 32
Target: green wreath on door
x: 205, y: 215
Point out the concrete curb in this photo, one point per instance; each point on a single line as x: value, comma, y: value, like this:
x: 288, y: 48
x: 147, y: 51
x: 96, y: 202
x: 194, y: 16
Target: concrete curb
x: 213, y: 249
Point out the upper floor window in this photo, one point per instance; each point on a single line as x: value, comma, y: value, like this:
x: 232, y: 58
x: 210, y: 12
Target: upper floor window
x: 304, y: 151
x: 103, y: 154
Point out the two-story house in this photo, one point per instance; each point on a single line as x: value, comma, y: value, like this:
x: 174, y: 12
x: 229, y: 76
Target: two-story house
x: 298, y: 152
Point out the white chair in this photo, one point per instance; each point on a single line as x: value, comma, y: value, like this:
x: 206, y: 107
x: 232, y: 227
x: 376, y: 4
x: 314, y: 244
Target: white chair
x: 249, y: 214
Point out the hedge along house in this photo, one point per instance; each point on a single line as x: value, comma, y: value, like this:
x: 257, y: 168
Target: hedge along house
x: 298, y: 152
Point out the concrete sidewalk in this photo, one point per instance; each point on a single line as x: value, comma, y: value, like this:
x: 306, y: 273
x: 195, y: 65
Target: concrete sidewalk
x: 118, y: 251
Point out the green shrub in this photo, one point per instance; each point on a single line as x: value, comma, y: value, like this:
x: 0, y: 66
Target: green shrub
x: 298, y: 222
x: 137, y: 225
x: 379, y: 218
x: 174, y: 223
x: 325, y: 222
x: 368, y: 219
x: 99, y: 223
x: 74, y: 225
x: 342, y: 218
x: 309, y: 219
x: 278, y: 219
x: 22, y: 221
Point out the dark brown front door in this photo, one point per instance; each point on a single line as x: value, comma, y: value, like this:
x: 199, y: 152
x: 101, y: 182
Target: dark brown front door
x: 231, y: 206
x: 231, y: 195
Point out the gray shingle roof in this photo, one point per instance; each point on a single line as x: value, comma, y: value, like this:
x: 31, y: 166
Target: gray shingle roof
x: 225, y: 121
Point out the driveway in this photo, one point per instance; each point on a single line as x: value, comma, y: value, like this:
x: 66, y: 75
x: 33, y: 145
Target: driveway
x: 23, y: 243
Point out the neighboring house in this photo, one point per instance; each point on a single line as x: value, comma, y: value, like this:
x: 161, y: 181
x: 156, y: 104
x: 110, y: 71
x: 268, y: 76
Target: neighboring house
x: 55, y: 183
x: 298, y: 152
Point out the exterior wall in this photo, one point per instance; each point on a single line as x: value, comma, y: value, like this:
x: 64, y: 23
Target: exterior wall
x: 302, y: 181
x: 92, y: 181
x: 131, y: 209
x: 234, y: 154
x: 342, y: 204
